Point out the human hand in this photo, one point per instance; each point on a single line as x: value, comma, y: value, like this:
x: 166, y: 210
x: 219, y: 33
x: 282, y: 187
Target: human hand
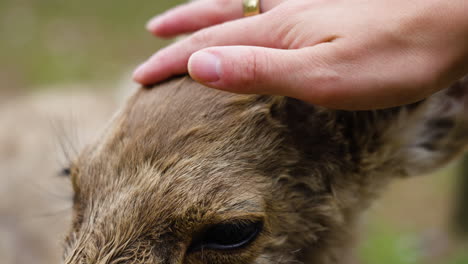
x: 345, y: 54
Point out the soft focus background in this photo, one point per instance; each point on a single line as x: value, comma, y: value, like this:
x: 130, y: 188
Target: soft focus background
x: 65, y: 65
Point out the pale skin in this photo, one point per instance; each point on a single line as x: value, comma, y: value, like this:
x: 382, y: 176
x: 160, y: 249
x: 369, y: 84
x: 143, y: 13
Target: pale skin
x: 343, y: 54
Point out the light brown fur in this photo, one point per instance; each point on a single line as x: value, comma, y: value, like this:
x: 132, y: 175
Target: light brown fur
x: 179, y: 158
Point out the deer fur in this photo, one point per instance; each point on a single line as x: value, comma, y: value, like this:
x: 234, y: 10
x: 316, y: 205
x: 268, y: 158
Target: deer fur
x: 180, y: 157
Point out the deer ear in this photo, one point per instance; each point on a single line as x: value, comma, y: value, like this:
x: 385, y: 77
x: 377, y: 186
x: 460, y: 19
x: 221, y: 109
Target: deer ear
x: 422, y: 137
x: 439, y: 130
x: 407, y: 140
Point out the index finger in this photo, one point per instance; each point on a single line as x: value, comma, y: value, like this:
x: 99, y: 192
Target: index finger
x: 173, y: 59
x: 200, y: 14
x: 194, y: 16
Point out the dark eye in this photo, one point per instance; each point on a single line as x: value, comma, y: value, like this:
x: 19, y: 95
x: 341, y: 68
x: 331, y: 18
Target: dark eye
x: 228, y: 236
x: 65, y: 172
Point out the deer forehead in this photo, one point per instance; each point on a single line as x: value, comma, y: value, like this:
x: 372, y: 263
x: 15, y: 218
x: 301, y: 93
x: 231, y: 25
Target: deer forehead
x: 147, y: 191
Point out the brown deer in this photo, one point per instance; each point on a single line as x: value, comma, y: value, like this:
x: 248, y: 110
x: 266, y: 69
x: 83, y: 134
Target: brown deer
x: 187, y: 174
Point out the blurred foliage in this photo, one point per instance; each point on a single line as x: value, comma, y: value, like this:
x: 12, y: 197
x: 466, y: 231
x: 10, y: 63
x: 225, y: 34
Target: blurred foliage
x: 385, y: 244
x: 389, y: 246
x: 412, y: 222
x: 45, y: 42
x: 461, y: 210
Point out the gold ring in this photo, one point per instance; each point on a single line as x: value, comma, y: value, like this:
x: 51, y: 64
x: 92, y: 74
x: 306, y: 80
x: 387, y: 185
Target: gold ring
x: 251, y: 7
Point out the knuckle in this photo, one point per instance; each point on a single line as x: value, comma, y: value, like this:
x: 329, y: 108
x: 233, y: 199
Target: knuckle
x: 284, y: 31
x: 249, y: 71
x: 285, y: 34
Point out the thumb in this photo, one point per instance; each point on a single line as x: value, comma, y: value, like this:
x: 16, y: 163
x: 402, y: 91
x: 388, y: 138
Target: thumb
x: 245, y: 69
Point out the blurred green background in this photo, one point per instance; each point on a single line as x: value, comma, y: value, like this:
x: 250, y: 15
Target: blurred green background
x: 414, y: 222
x: 44, y: 42
x: 47, y: 44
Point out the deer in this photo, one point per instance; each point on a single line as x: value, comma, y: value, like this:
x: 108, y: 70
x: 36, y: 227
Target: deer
x: 187, y: 174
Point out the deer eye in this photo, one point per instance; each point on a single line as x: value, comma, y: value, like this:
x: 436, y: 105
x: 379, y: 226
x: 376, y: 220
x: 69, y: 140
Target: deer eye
x: 228, y: 236
x: 65, y: 172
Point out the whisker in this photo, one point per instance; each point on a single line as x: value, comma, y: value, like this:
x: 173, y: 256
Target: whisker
x: 66, y: 138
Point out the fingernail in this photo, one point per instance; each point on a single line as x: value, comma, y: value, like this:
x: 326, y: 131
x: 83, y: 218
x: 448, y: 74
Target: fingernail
x: 205, y: 67
x: 153, y: 23
x: 139, y: 72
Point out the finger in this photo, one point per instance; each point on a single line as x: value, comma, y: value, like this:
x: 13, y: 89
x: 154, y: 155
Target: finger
x: 200, y: 14
x: 319, y: 74
x: 194, y: 16
x: 301, y: 73
x: 173, y: 59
